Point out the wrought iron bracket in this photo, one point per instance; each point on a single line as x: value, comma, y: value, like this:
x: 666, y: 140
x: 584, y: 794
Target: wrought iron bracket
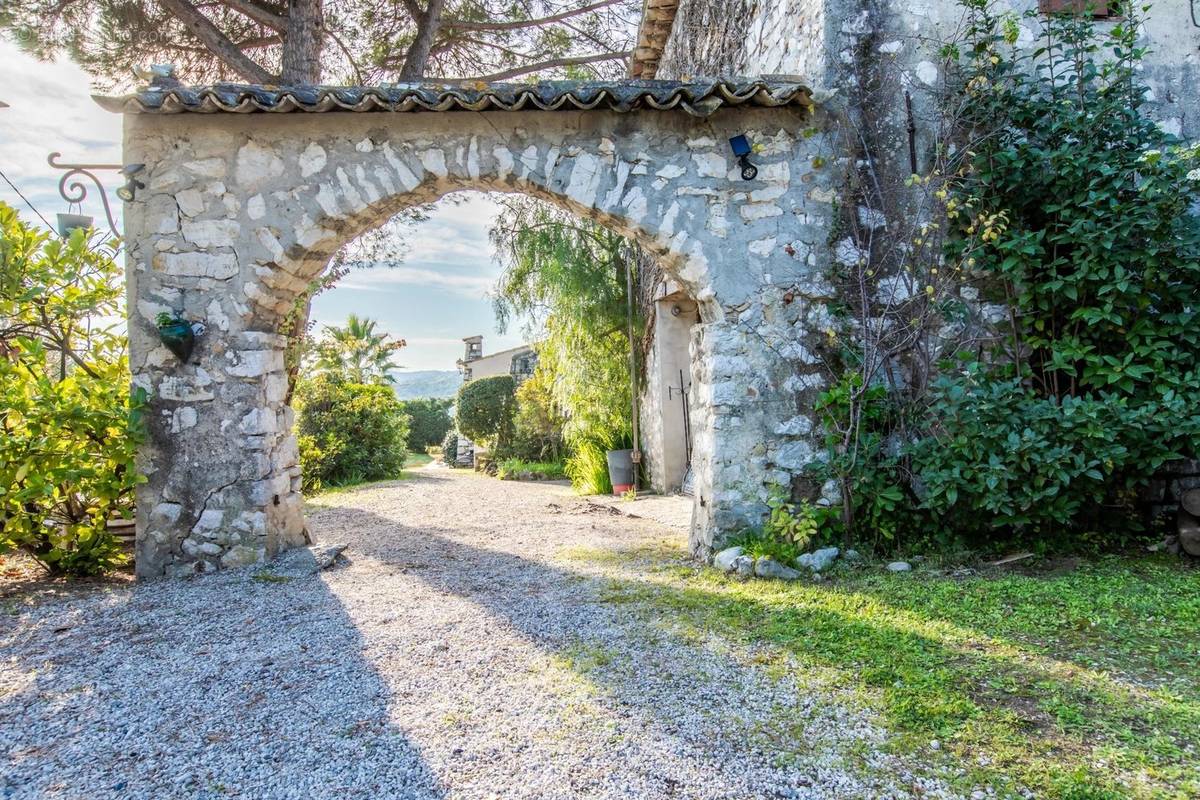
x: 74, y: 190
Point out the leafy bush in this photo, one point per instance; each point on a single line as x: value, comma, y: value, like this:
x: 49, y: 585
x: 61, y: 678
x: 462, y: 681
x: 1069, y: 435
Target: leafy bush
x: 788, y: 532
x: 69, y: 427
x: 1006, y: 457
x: 348, y: 432
x: 587, y: 467
x: 516, y: 469
x: 450, y: 448
x: 428, y: 422
x: 537, y: 425
x: 1065, y: 204
x: 484, y: 411
x: 1097, y: 253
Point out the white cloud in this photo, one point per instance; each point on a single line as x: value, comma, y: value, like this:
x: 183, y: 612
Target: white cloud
x: 51, y: 109
x: 378, y: 277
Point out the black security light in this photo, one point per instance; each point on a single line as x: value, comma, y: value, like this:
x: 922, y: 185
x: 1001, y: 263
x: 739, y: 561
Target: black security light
x: 132, y: 184
x: 742, y: 149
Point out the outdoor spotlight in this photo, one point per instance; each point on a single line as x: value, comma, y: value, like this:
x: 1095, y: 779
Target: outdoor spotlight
x: 742, y: 149
x: 132, y: 184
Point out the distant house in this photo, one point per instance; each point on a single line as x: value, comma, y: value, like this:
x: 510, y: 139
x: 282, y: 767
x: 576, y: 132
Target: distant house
x: 519, y: 362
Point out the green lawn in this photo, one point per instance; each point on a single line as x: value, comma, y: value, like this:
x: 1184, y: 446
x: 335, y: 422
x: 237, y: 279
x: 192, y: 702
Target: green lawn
x: 517, y: 469
x: 1081, y: 683
x: 417, y: 460
x: 412, y: 461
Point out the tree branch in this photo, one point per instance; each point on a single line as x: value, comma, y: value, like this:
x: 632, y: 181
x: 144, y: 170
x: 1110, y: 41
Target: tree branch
x: 349, y: 56
x: 259, y: 13
x: 554, y: 62
x: 464, y: 25
x: 218, y: 43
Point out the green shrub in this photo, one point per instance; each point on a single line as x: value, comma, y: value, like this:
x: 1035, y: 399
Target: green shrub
x: 537, y: 425
x: 788, y: 531
x: 68, y: 425
x: 348, y: 432
x: 1072, y: 210
x: 1008, y: 458
x: 484, y: 411
x: 515, y: 469
x: 428, y: 421
x: 1096, y: 250
x: 450, y: 448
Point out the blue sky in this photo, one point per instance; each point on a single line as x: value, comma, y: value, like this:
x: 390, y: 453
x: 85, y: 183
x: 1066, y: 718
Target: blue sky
x: 437, y: 295
x: 434, y: 298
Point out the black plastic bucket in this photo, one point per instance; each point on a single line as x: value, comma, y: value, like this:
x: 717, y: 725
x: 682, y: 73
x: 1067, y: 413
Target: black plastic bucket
x: 620, y: 470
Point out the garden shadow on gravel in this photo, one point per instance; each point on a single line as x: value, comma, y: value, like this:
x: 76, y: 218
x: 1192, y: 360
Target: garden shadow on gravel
x: 668, y: 681
x: 1036, y: 718
x: 239, y: 684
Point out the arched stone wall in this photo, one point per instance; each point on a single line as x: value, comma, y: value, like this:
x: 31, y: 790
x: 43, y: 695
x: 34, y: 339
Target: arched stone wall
x: 241, y: 212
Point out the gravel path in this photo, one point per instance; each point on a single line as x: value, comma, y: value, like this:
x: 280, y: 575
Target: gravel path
x: 464, y: 652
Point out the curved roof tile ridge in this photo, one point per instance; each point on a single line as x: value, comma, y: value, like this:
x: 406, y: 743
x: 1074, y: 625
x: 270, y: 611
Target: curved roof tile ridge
x: 699, y: 97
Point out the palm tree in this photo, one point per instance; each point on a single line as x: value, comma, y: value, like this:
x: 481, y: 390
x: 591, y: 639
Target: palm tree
x: 358, y: 351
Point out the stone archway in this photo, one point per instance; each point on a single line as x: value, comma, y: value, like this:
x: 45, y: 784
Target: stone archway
x: 241, y: 211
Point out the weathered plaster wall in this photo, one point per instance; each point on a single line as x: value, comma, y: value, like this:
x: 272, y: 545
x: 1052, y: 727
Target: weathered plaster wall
x: 815, y: 39
x: 664, y: 437
x: 242, y: 212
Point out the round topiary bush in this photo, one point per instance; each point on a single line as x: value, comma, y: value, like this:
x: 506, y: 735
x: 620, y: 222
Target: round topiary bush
x: 450, y: 448
x: 485, y: 409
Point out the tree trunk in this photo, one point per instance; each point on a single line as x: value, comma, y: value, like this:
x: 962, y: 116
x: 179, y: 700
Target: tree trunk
x: 302, y: 43
x: 417, y: 57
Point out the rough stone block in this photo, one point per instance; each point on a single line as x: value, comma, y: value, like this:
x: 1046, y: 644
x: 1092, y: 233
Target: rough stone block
x: 197, y: 265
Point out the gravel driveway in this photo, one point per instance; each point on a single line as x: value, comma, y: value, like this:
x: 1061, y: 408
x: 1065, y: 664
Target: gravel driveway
x: 466, y: 651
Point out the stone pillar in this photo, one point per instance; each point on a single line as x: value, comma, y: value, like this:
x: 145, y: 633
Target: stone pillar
x: 222, y: 471
x: 222, y: 467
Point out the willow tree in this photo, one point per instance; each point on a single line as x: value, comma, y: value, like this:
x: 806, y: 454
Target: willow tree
x: 568, y: 280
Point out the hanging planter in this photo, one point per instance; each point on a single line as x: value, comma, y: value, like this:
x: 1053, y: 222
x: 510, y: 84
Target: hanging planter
x: 69, y: 223
x: 177, y: 335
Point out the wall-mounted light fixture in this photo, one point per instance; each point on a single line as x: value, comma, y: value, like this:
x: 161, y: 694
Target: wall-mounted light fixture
x: 73, y: 189
x: 742, y: 149
x: 132, y: 184
x: 178, y: 334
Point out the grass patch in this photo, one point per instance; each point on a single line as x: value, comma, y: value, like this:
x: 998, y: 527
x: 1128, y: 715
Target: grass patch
x: 417, y: 460
x: 270, y: 577
x: 516, y: 469
x: 585, y: 657
x: 355, y: 485
x: 1079, y: 686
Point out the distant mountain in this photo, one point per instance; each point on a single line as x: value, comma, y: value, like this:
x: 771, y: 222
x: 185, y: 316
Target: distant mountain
x: 426, y: 383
